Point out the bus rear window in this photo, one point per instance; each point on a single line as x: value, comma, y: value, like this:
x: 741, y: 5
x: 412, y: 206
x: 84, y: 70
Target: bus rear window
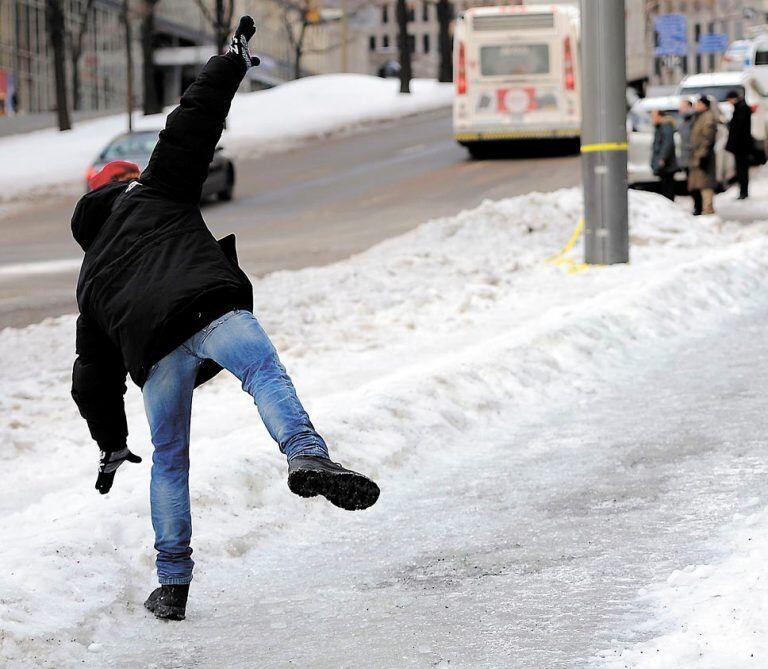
x: 514, y: 60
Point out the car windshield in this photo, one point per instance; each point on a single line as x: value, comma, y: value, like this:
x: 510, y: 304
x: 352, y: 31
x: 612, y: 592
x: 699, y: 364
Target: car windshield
x: 514, y: 59
x: 136, y: 144
x: 717, y: 92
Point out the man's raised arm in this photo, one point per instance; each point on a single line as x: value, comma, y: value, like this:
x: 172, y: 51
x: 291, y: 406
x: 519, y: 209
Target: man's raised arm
x: 179, y: 163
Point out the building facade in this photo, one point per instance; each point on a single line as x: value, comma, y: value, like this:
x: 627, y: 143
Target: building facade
x: 736, y: 19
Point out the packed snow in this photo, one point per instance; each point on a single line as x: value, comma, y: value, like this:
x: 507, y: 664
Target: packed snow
x: 396, y: 352
x: 259, y: 122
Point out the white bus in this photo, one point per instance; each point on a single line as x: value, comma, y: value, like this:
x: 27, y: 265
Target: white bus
x: 517, y: 75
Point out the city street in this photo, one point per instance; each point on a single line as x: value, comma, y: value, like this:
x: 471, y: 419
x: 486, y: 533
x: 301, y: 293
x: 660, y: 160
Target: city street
x: 312, y: 205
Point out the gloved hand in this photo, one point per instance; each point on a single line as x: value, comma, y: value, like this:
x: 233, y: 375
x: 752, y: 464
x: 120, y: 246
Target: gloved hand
x: 108, y: 464
x: 239, y: 44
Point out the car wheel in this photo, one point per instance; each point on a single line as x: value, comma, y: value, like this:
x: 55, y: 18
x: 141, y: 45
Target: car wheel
x: 227, y: 194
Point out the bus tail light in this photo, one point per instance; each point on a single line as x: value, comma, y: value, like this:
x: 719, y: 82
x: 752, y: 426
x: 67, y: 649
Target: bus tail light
x: 753, y: 108
x: 461, y: 76
x: 570, y: 77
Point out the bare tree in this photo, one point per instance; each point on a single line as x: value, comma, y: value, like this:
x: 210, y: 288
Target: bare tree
x: 220, y: 20
x: 76, y: 49
x: 445, y: 43
x: 404, y: 46
x: 298, y: 16
x: 55, y: 26
x: 152, y: 103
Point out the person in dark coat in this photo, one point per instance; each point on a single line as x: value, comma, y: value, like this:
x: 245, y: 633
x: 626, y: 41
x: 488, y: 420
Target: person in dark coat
x: 162, y: 300
x: 740, y: 142
x: 663, y: 154
x: 684, y: 128
x: 702, y: 167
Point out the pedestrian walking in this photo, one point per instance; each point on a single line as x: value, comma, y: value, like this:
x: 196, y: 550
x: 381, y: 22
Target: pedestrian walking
x: 162, y: 300
x: 702, y: 175
x: 740, y: 142
x: 663, y: 155
x: 684, y: 133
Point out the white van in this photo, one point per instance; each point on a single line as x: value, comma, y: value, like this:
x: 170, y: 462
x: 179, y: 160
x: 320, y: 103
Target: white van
x: 517, y: 75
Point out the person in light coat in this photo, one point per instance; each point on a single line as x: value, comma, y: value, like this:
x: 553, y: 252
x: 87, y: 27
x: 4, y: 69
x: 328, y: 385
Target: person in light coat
x: 702, y: 172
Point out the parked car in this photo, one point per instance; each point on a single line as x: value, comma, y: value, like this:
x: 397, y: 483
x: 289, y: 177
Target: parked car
x: 137, y: 147
x: 717, y: 84
x: 640, y: 132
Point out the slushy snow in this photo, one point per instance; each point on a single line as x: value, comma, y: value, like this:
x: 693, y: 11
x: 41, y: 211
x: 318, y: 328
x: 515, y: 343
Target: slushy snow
x: 412, y: 343
x: 259, y: 122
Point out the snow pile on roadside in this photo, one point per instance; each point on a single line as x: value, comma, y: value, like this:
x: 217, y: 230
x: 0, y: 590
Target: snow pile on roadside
x: 396, y: 352
x: 710, y: 616
x: 260, y: 122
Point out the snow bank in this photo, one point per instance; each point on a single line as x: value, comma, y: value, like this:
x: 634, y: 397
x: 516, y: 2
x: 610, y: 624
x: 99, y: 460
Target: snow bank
x: 396, y: 352
x: 259, y: 122
x: 710, y: 616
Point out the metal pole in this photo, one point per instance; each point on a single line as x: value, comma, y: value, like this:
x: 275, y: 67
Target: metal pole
x: 604, y: 131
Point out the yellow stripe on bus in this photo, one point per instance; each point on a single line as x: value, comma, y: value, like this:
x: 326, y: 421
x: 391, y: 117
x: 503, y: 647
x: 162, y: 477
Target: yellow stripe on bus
x: 517, y: 134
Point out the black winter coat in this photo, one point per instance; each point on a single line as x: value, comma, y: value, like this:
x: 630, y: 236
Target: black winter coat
x: 740, y: 130
x: 153, y: 275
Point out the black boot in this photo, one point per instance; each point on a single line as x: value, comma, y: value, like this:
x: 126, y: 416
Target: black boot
x: 310, y: 475
x: 169, y: 602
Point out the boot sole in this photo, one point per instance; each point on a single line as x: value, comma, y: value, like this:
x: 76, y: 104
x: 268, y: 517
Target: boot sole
x: 349, y: 491
x: 166, y: 612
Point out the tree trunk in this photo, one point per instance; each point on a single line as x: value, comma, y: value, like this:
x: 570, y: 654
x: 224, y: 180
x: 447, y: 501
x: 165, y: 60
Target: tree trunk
x: 75, y: 60
x: 128, y: 63
x: 403, y: 47
x: 223, y: 23
x: 152, y: 105
x: 298, y: 50
x: 55, y: 22
x: 444, y: 18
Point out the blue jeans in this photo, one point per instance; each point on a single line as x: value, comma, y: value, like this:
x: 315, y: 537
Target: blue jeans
x: 237, y: 342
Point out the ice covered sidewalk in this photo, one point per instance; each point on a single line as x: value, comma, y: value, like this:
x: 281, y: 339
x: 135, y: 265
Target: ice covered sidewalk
x: 260, y: 122
x: 406, y: 350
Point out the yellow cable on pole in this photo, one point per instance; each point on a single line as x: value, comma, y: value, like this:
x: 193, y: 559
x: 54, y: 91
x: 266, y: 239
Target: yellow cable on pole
x: 560, y: 259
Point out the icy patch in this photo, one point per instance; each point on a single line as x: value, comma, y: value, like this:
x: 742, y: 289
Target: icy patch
x: 709, y: 616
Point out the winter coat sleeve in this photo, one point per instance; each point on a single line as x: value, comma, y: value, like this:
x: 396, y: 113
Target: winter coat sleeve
x: 179, y: 164
x: 98, y: 386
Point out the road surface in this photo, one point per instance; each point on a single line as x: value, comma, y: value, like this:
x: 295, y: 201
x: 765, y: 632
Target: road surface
x: 523, y: 549
x: 309, y: 206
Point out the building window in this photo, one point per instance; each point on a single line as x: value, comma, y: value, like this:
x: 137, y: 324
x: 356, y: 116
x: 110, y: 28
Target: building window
x: 411, y: 44
x: 425, y: 11
x: 385, y: 13
x: 425, y: 42
x: 372, y: 43
x: 411, y: 13
x: 385, y: 42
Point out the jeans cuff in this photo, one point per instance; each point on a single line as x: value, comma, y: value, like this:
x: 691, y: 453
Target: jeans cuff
x: 313, y: 450
x: 179, y: 580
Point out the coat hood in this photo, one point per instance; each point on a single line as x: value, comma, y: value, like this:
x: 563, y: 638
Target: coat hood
x: 92, y: 211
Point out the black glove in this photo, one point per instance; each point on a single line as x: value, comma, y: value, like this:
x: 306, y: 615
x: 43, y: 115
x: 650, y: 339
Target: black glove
x: 239, y: 44
x: 108, y: 464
